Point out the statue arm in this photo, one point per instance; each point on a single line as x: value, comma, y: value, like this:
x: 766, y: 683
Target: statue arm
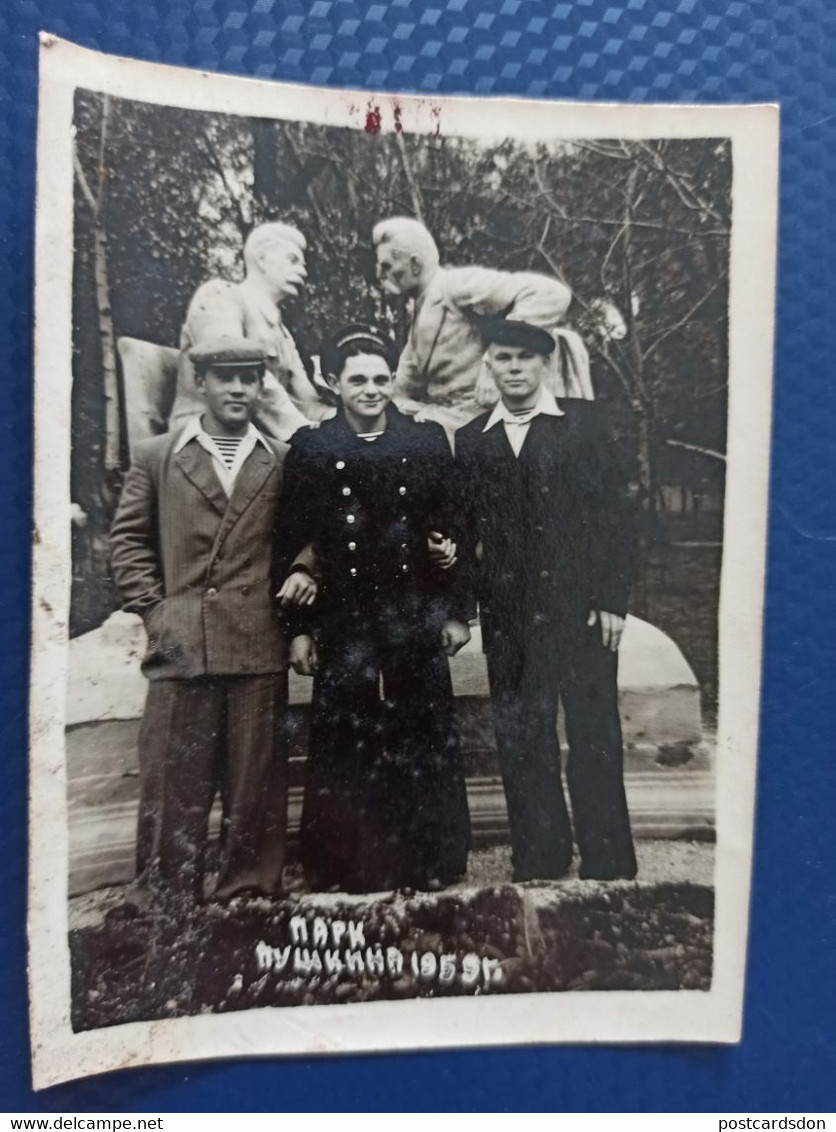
x: 215, y: 311
x: 410, y: 391
x: 277, y: 415
x: 523, y: 295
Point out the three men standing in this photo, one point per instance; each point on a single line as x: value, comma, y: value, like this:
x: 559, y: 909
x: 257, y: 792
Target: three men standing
x: 542, y: 520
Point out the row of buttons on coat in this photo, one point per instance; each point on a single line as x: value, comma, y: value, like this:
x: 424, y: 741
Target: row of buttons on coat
x: 351, y: 518
x: 353, y: 570
x: 340, y: 464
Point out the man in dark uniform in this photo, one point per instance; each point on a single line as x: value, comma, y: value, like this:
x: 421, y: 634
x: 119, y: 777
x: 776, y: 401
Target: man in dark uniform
x: 550, y: 550
x: 385, y: 802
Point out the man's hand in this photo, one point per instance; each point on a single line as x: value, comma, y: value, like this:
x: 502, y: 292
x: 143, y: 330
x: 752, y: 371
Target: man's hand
x: 612, y: 626
x: 442, y: 550
x: 454, y: 635
x: 304, y: 658
x: 299, y: 588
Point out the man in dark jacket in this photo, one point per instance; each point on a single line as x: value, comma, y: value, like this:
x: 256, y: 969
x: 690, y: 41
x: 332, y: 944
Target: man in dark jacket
x: 550, y: 554
x: 385, y: 801
x: 192, y: 552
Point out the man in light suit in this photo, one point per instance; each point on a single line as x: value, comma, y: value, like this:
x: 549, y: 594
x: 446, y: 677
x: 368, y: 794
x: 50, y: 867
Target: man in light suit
x: 274, y: 257
x: 193, y: 553
x: 549, y: 546
x: 440, y: 373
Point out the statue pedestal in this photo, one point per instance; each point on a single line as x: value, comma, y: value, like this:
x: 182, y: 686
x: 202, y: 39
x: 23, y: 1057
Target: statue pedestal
x: 667, y: 768
x: 658, y: 693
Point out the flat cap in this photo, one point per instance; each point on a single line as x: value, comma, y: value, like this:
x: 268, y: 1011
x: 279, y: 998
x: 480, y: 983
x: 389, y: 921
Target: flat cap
x: 513, y: 332
x: 228, y: 351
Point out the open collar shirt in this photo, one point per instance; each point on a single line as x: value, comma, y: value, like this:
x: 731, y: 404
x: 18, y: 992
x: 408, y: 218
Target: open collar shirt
x: 518, y: 424
x: 194, y: 431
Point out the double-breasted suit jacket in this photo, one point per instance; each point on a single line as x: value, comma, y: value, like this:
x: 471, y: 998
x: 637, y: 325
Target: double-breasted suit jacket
x: 554, y: 531
x: 198, y: 566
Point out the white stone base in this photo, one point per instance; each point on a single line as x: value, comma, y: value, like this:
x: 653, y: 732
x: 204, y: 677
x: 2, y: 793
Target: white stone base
x: 658, y: 692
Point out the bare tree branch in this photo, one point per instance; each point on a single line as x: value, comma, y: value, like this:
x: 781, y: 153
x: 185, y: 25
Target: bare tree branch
x: 633, y: 337
x: 550, y: 260
x: 646, y: 263
x: 613, y: 222
x: 83, y: 182
x: 708, y: 394
x: 602, y: 150
x: 681, y: 321
x: 679, y: 183
x: 309, y: 190
x: 610, y: 250
x: 209, y: 147
x: 417, y: 201
x: 624, y: 380
x: 107, y: 337
x: 697, y: 448
x: 103, y: 133
x: 600, y: 349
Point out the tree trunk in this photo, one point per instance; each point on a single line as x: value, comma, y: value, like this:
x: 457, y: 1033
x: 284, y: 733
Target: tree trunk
x: 110, y: 381
x: 644, y: 459
x: 640, y: 401
x: 414, y: 188
x: 265, y: 161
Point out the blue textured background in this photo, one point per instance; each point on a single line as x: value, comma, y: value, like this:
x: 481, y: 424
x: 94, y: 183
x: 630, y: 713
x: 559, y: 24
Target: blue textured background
x: 639, y: 50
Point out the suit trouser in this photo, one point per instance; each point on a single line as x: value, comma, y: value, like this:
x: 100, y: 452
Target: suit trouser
x: 385, y: 798
x: 199, y: 738
x: 528, y: 678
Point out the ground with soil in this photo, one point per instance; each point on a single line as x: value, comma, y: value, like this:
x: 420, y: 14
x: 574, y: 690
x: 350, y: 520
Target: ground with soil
x: 482, y: 936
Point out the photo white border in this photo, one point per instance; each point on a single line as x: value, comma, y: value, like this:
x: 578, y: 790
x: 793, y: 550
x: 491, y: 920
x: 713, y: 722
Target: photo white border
x: 556, y: 1017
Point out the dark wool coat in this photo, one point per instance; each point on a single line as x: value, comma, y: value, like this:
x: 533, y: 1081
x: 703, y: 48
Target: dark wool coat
x: 554, y: 524
x: 368, y: 508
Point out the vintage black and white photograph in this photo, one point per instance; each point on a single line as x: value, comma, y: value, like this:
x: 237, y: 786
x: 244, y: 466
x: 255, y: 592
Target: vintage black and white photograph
x: 400, y: 502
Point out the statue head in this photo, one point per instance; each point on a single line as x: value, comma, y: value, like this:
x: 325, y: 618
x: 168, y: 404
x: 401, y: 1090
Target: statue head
x: 407, y: 255
x: 274, y: 255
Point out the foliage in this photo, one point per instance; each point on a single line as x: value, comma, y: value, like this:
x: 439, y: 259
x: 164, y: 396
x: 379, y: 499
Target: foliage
x: 638, y: 229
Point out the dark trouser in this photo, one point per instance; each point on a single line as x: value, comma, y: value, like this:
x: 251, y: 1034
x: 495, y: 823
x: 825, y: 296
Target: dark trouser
x: 385, y: 799
x: 527, y: 679
x: 203, y: 737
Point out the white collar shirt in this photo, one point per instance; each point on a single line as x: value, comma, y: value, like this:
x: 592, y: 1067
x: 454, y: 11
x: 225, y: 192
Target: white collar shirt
x: 194, y: 430
x: 518, y: 424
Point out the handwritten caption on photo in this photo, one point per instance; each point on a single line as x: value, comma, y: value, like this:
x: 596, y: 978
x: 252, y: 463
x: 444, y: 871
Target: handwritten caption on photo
x: 322, y: 947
